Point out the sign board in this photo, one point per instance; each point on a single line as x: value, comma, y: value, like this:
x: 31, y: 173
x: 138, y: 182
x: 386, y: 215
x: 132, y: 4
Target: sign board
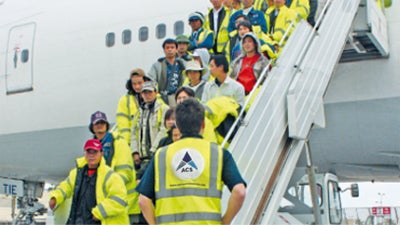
x: 11, y: 187
x: 380, y: 211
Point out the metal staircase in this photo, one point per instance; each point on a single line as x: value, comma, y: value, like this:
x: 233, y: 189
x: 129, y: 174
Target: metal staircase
x: 269, y: 142
x: 369, y: 39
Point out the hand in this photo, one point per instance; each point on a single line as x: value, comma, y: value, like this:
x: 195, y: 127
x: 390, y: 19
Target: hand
x: 276, y: 48
x: 52, y: 203
x: 224, y: 222
x: 95, y: 219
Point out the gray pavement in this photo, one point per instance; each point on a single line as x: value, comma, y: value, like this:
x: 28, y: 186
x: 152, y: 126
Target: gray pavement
x: 5, y: 208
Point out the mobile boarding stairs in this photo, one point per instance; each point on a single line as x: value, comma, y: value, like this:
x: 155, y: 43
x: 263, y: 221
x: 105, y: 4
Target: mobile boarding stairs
x: 275, y: 130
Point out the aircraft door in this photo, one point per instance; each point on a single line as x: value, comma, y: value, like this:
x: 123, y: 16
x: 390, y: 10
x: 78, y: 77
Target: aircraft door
x: 19, y: 67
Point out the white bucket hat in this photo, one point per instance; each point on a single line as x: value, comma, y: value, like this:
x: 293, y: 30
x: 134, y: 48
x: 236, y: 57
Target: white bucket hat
x: 194, y: 66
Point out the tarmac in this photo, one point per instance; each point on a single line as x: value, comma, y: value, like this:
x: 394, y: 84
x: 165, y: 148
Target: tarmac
x: 5, y: 209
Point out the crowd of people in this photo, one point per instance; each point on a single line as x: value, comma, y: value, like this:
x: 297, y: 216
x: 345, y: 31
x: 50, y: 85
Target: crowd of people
x: 164, y: 154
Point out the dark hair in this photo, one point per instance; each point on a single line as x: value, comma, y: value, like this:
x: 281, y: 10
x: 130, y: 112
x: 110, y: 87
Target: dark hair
x: 128, y: 84
x: 187, y: 90
x: 189, y: 116
x: 91, y: 127
x: 173, y: 127
x: 220, y: 60
x: 245, y: 23
x: 168, y: 114
x: 242, y: 16
x: 170, y: 41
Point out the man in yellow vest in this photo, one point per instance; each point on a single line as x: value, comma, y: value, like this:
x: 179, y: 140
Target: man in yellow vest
x: 301, y: 7
x: 117, y: 155
x: 231, y: 6
x: 98, y: 193
x: 185, y: 179
x: 200, y: 36
x: 280, y: 19
x: 128, y: 108
x: 150, y: 127
x: 217, y: 21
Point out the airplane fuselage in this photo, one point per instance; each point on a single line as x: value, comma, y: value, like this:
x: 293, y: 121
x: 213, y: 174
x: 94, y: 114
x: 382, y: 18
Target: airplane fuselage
x: 60, y: 62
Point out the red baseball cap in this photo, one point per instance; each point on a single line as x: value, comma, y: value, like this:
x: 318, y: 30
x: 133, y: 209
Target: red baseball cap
x: 93, y: 144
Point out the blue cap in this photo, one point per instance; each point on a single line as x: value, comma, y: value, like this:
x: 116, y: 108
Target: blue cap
x: 98, y: 116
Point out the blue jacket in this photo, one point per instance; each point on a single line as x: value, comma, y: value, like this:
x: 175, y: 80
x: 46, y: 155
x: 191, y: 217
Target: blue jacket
x: 257, y: 18
x: 204, y: 36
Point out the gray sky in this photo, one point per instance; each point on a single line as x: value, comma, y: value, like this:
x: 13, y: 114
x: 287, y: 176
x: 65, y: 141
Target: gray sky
x: 369, y: 196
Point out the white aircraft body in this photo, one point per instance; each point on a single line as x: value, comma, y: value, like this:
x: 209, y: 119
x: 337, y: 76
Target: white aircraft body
x: 60, y: 61
x: 47, y: 98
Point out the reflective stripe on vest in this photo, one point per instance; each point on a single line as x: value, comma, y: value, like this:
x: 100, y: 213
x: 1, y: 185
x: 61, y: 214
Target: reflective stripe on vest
x: 203, y: 35
x: 189, y: 217
x: 120, y: 201
x: 207, y: 198
x: 211, y: 192
x: 108, y: 175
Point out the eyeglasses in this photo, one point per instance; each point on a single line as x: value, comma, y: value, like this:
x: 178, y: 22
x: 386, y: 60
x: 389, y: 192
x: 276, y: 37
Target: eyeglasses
x: 92, y: 151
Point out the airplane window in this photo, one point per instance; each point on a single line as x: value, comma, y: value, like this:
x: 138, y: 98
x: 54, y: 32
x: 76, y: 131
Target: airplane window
x: 24, y: 55
x: 126, y: 37
x: 179, y: 27
x: 110, y: 39
x: 143, y: 34
x: 161, y: 31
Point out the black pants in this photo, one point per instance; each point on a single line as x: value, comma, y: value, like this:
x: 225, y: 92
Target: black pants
x: 313, y: 11
x: 142, y: 169
x: 137, y: 219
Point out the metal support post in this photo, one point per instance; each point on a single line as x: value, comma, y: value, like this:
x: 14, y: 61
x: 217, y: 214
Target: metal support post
x: 313, y: 185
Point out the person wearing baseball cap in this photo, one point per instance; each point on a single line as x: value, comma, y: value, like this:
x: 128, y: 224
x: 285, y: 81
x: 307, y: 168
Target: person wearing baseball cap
x: 117, y: 155
x: 93, y: 152
x: 150, y: 127
x: 93, y: 187
x: 200, y: 37
x: 92, y: 145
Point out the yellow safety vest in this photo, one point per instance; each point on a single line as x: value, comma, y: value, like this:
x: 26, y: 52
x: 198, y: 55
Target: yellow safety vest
x: 127, y: 111
x: 111, y: 196
x: 203, y: 35
x: 122, y: 164
x: 223, y: 34
x: 261, y: 5
x: 209, y: 131
x: 283, y: 22
x: 217, y: 109
x: 188, y: 182
x: 302, y: 7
